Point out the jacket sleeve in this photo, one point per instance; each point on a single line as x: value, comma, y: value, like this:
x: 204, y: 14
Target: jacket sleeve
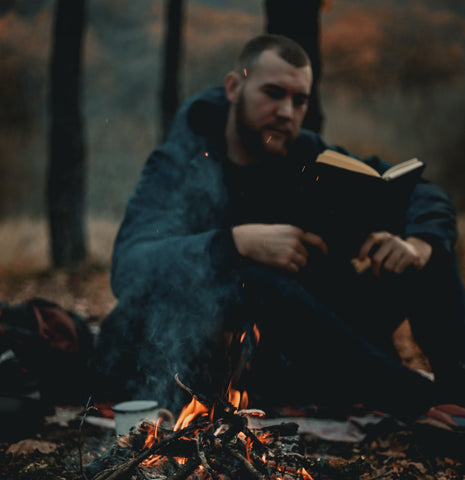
x: 165, y: 243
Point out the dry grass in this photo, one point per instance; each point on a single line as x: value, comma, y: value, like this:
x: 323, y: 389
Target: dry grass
x: 24, y: 244
x: 25, y: 270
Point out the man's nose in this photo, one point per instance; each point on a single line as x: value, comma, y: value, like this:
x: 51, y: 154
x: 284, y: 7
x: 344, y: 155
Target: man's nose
x: 285, y: 108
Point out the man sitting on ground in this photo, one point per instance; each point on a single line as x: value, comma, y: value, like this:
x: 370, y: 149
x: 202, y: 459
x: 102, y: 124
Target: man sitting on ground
x: 216, y: 237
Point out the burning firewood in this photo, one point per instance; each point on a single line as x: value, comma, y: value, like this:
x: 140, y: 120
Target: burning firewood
x: 212, y: 442
x: 212, y: 439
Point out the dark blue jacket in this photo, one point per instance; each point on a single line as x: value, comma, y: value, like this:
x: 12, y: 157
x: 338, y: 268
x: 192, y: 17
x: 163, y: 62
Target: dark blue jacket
x: 179, y: 206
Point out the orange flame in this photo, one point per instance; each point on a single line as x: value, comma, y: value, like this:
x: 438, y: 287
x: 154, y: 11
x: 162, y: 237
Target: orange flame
x: 152, y: 434
x: 189, y: 412
x: 239, y: 400
x: 284, y: 470
x: 152, y: 460
x: 304, y: 473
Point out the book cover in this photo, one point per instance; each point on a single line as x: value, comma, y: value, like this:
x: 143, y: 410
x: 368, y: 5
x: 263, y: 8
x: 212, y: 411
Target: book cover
x: 348, y: 201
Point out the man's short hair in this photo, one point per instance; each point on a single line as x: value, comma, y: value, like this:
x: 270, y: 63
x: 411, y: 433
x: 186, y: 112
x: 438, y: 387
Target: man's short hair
x: 286, y: 48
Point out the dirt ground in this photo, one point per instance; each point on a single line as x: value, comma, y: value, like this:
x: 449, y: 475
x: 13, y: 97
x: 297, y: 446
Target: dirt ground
x: 64, y: 444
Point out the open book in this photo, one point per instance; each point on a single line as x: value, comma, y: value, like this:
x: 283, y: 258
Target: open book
x: 348, y: 199
x: 339, y: 160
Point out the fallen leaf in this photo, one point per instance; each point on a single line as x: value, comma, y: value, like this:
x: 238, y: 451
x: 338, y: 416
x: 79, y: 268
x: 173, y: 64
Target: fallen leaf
x: 393, y: 454
x: 28, y: 446
x: 419, y: 466
x: 64, y: 415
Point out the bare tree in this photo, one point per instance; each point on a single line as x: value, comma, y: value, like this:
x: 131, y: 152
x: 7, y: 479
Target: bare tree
x: 173, y: 49
x: 67, y: 162
x: 300, y: 20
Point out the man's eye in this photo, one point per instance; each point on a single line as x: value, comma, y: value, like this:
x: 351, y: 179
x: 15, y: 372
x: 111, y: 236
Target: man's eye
x: 275, y: 94
x: 300, y: 101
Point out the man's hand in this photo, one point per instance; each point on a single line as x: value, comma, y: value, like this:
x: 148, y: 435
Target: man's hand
x: 395, y: 254
x: 282, y: 246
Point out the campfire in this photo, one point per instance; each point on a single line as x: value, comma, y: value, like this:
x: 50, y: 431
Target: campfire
x: 212, y: 443
x: 211, y: 439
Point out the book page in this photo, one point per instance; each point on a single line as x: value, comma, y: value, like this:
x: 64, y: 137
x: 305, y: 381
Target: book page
x: 402, y: 168
x: 340, y: 160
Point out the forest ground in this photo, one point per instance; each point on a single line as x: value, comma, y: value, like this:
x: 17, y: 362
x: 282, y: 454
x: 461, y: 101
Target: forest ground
x: 64, y: 444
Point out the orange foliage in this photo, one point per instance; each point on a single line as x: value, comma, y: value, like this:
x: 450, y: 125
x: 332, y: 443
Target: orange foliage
x: 26, y: 40
x: 388, y: 46
x: 352, y: 44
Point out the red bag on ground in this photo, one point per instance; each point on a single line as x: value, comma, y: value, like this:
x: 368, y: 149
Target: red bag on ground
x: 46, y: 347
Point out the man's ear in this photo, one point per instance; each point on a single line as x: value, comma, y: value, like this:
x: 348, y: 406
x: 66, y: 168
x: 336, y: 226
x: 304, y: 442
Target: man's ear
x: 232, y: 86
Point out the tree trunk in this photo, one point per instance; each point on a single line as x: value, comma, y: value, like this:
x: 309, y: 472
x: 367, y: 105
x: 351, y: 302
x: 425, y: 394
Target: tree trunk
x: 67, y: 163
x: 170, y: 85
x: 300, y: 20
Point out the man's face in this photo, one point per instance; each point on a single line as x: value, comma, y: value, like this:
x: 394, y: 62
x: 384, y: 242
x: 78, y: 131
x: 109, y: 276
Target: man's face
x: 272, y: 104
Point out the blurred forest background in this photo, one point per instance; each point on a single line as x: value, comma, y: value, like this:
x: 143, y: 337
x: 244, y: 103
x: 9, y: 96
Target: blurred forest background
x: 393, y: 84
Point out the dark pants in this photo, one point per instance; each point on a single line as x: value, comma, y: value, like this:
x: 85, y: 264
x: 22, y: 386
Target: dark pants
x: 327, y: 337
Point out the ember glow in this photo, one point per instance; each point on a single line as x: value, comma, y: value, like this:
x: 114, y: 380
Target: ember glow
x: 256, y: 332
x: 195, y: 410
x: 258, y: 446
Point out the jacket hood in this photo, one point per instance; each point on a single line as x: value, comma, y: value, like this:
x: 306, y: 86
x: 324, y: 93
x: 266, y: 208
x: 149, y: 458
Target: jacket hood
x: 208, y: 112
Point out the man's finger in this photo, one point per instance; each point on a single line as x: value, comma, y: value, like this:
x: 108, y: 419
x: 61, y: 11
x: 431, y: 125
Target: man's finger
x: 301, y: 250
x: 379, y: 257
x: 299, y: 260
x: 315, y: 241
x: 402, y: 265
x: 394, y: 261
x: 367, y: 246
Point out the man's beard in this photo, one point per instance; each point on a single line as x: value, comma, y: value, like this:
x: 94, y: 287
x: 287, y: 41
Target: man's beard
x: 252, y: 140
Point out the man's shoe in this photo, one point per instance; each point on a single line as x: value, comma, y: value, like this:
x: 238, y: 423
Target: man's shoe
x: 442, y: 431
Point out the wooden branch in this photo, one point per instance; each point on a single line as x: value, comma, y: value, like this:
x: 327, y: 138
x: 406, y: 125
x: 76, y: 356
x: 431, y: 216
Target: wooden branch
x: 245, y: 463
x: 203, y: 459
x: 217, y: 448
x: 186, y: 469
x: 199, y: 397
x: 121, y: 471
x: 255, y: 441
